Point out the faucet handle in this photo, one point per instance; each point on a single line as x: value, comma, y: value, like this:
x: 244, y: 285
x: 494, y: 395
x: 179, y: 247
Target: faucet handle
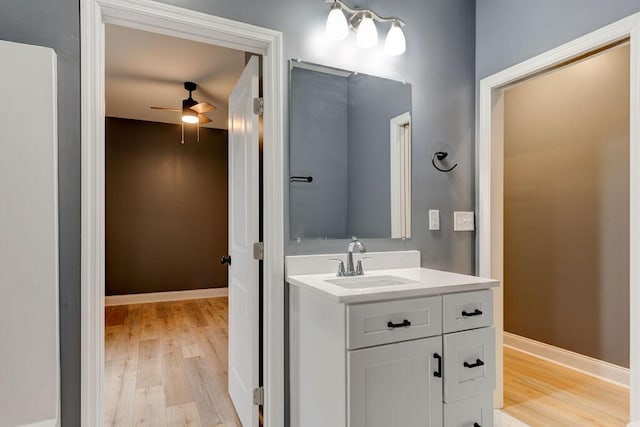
x: 359, y: 269
x: 340, y: 266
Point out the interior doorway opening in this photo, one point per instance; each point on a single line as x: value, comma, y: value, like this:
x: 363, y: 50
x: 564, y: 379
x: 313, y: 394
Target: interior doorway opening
x: 188, y: 24
x: 183, y: 315
x: 491, y: 188
x: 566, y: 243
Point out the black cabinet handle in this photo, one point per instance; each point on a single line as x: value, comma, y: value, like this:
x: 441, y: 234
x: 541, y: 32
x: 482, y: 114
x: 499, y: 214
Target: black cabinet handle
x: 225, y: 260
x: 405, y: 323
x: 438, y: 373
x: 301, y: 179
x: 476, y: 425
x: 474, y: 313
x: 473, y: 365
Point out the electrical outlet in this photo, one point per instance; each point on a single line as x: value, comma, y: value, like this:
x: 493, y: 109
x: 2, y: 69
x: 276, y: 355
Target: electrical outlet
x: 463, y: 221
x: 434, y: 219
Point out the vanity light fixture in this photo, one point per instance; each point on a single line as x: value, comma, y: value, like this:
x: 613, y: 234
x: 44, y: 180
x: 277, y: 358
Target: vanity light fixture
x: 363, y: 22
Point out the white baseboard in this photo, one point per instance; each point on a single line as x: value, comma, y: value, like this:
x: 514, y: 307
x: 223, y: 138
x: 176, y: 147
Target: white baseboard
x: 502, y: 419
x: 165, y: 296
x: 46, y: 423
x: 585, y: 364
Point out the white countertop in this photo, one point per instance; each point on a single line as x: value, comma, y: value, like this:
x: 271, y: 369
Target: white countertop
x: 426, y: 282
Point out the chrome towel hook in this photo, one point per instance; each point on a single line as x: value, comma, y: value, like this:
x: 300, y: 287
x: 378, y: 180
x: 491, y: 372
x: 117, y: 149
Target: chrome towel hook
x: 441, y: 155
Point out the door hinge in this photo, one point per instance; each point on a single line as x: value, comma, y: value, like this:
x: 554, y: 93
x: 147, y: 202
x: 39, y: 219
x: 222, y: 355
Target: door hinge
x: 258, y: 396
x: 258, y: 106
x: 258, y: 250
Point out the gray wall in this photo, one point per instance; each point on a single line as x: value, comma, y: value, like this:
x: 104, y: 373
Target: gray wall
x: 510, y: 31
x: 319, y: 121
x: 56, y: 24
x: 566, y: 188
x: 166, y: 207
x: 373, y: 102
x: 439, y: 63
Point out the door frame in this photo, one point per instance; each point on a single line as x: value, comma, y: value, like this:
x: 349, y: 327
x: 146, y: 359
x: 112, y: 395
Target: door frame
x: 489, y: 178
x: 174, y: 21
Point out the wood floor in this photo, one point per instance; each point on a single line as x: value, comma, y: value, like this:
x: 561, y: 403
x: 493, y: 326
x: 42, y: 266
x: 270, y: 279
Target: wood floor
x: 540, y: 393
x: 166, y: 365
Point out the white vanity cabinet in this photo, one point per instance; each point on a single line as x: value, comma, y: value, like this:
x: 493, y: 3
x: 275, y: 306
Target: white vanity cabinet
x: 394, y: 384
x: 424, y: 361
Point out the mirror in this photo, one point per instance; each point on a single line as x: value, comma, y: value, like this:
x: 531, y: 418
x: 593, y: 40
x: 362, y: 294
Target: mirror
x: 349, y: 154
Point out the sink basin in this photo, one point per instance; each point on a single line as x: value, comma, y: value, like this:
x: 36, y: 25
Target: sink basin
x: 362, y: 282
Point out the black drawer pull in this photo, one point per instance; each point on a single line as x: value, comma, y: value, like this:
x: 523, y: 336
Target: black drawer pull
x: 476, y: 312
x: 476, y: 425
x: 473, y: 365
x: 405, y: 323
x: 438, y: 373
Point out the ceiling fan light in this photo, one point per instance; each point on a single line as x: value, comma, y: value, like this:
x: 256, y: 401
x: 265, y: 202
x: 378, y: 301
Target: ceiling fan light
x: 189, y: 119
x: 188, y: 115
x: 367, y: 35
x: 395, y: 43
x: 337, y: 27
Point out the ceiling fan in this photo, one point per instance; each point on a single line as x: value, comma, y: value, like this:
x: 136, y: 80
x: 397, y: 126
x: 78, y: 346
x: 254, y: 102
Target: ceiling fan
x: 192, y: 112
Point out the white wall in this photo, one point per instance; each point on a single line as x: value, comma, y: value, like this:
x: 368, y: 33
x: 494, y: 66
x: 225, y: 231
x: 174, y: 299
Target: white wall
x: 29, y: 350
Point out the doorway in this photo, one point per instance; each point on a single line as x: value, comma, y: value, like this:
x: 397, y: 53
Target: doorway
x: 492, y: 173
x: 182, y: 23
x: 174, y: 349
x: 566, y: 243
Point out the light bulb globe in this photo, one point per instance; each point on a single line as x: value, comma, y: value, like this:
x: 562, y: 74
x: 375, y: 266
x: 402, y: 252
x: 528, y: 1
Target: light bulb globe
x: 190, y: 119
x: 367, y: 35
x: 395, y: 43
x: 337, y: 27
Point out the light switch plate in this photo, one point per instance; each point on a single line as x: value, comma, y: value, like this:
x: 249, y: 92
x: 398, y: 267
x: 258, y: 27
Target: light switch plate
x: 463, y: 221
x: 434, y: 219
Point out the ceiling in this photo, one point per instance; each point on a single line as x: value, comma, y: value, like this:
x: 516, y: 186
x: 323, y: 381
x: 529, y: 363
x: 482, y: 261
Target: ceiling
x: 146, y: 69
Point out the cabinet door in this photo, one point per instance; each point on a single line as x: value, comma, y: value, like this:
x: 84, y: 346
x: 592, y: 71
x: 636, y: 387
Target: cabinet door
x: 396, y: 385
x: 472, y: 412
x: 469, y: 364
x: 467, y: 310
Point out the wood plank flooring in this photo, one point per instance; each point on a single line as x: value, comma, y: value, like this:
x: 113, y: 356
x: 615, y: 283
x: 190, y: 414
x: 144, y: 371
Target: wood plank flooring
x: 541, y: 393
x: 166, y: 365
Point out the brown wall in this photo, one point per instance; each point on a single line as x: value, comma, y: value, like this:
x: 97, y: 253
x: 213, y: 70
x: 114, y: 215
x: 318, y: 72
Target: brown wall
x: 166, y: 208
x: 567, y: 208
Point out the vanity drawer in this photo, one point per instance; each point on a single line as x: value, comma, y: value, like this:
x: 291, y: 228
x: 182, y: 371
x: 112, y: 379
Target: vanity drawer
x: 469, y: 364
x: 391, y: 321
x: 476, y: 411
x: 468, y: 310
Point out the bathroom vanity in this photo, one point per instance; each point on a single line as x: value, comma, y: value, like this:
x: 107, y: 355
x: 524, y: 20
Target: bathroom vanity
x: 399, y: 345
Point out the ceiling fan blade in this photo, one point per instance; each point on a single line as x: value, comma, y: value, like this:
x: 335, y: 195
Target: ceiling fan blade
x: 203, y: 107
x: 165, y: 108
x: 204, y: 119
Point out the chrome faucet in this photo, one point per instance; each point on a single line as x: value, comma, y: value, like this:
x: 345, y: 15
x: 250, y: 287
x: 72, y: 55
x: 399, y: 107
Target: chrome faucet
x: 350, y: 270
x: 355, y: 243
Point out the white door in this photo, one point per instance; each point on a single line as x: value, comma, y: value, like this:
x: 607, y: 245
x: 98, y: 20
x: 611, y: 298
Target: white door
x: 243, y: 233
x: 396, y: 385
